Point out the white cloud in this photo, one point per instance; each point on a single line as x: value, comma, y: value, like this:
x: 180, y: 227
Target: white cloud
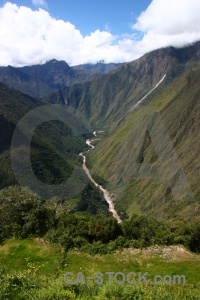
x: 30, y: 37
x: 169, y: 23
x: 33, y: 36
x: 39, y: 2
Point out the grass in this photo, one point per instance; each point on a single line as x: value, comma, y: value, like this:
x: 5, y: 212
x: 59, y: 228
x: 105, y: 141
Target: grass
x: 17, y: 254
x: 127, y: 262
x: 33, y: 269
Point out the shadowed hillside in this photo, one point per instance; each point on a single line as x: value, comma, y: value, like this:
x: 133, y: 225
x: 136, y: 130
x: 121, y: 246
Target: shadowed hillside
x: 54, y: 147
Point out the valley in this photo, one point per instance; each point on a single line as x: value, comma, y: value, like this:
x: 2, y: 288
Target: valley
x: 114, y: 149
x: 106, y: 195
x: 151, y: 122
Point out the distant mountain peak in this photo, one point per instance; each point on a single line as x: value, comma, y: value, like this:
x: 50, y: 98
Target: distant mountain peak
x: 55, y: 61
x: 43, y: 79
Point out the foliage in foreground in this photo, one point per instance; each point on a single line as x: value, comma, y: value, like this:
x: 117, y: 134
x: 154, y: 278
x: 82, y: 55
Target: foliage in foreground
x: 28, y: 285
x: 33, y: 269
x: 24, y: 216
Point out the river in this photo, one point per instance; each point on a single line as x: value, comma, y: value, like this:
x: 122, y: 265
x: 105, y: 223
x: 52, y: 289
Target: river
x: 106, y: 194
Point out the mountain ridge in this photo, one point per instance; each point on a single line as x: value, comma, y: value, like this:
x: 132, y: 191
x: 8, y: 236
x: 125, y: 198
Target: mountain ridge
x: 105, y: 99
x: 41, y: 80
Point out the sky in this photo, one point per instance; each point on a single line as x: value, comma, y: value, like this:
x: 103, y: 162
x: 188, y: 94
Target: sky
x: 88, y: 31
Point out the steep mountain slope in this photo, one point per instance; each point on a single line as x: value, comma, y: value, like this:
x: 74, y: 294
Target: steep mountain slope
x: 54, y: 147
x: 110, y: 97
x: 56, y: 74
x: 152, y: 160
x: 23, y: 82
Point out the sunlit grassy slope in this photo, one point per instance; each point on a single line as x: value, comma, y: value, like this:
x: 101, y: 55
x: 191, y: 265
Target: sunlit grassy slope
x: 141, y: 139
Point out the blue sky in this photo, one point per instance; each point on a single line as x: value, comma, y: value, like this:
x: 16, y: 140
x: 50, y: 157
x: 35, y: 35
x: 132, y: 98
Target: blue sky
x: 89, y: 15
x: 83, y: 31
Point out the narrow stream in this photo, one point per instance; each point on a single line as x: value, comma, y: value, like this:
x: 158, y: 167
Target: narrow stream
x: 105, y: 192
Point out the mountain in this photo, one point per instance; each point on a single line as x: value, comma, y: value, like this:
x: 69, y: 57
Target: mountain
x: 41, y: 80
x: 129, y: 104
x: 149, y: 112
x: 162, y: 135
x: 16, y: 79
x: 110, y: 97
x: 58, y: 74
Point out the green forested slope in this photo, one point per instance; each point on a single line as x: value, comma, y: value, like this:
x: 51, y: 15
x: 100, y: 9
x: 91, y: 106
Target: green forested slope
x: 54, y: 147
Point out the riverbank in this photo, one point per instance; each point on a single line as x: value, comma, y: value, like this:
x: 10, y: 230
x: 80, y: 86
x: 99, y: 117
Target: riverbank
x: 106, y: 194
